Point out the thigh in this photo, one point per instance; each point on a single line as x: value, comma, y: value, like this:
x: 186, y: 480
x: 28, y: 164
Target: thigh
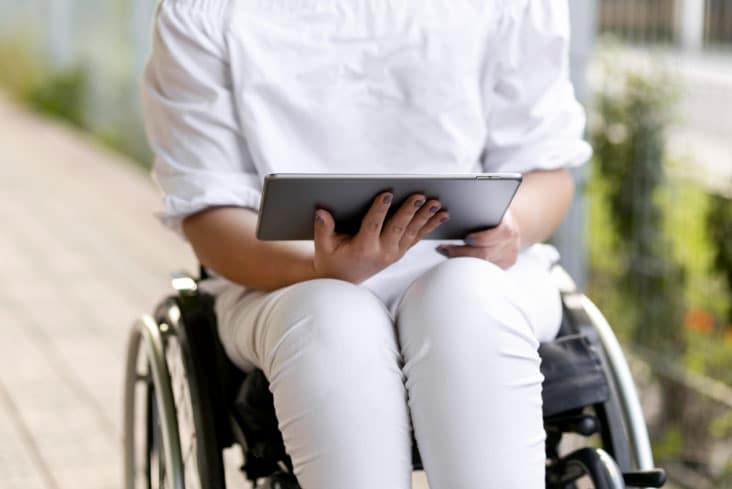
x: 528, y: 284
x: 535, y: 291
x: 329, y: 351
x: 237, y: 309
x: 257, y: 326
x: 472, y: 330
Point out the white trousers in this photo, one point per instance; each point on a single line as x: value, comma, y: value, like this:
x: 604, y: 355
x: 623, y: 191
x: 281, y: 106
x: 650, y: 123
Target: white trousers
x: 446, y: 346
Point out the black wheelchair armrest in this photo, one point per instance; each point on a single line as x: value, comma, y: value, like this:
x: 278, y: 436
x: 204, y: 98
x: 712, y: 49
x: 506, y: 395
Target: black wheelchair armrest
x: 573, y: 374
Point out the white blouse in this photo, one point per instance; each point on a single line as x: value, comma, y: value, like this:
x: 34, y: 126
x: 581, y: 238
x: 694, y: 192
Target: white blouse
x: 236, y: 89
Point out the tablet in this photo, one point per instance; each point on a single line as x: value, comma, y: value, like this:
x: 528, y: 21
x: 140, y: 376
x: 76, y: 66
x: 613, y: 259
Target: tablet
x: 475, y: 201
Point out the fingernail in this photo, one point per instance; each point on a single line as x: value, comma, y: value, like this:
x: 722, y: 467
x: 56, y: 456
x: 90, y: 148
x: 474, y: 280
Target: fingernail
x: 471, y: 241
x: 442, y: 251
x: 319, y: 219
x: 446, y: 218
x: 419, y: 203
x: 387, y: 198
x: 434, y: 209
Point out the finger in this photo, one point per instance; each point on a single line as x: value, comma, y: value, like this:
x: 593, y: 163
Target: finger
x: 398, y: 224
x: 490, y: 237
x: 432, y: 224
x: 454, y: 251
x: 425, y: 213
x: 372, y: 223
x: 324, y: 231
x: 504, y: 257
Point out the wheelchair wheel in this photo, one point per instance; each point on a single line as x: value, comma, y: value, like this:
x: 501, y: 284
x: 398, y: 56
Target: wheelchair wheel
x: 594, y: 463
x: 170, y: 441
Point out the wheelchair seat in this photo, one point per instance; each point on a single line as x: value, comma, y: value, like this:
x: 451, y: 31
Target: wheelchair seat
x: 581, y: 395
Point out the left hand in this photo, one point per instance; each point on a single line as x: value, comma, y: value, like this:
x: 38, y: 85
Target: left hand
x: 499, y: 245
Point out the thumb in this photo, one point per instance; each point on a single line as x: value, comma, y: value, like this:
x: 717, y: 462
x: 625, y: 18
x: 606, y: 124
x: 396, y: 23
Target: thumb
x: 324, y: 231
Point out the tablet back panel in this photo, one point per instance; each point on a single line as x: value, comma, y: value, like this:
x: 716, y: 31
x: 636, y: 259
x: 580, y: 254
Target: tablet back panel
x: 474, y: 201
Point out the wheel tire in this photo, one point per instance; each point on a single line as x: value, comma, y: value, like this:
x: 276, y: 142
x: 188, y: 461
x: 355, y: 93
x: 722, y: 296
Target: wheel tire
x: 593, y: 462
x: 146, y: 464
x: 202, y: 457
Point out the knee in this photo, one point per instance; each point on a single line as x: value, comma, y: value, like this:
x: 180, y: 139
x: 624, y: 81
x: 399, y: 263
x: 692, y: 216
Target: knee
x: 334, y: 318
x: 466, y: 276
x: 455, y: 286
x: 462, y: 304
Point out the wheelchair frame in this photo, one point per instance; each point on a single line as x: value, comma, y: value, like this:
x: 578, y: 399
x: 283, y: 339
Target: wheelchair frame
x: 617, y: 365
x: 628, y: 464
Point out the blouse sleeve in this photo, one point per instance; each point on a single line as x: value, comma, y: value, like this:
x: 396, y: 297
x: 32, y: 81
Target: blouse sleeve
x: 201, y: 158
x: 533, y: 118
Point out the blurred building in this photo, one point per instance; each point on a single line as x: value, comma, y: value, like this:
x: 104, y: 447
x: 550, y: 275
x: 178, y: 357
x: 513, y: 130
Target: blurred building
x: 692, y: 24
x: 694, y: 39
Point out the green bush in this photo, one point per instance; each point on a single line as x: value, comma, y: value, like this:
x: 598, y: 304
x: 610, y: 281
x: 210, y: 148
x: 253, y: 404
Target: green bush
x: 628, y: 138
x: 20, y: 66
x: 60, y: 94
x: 719, y: 221
x: 65, y: 93
x: 660, y: 253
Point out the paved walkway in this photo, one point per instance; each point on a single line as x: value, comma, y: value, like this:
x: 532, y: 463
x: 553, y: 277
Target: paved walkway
x: 81, y: 258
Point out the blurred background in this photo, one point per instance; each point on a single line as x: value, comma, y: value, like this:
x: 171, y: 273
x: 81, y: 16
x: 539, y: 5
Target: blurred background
x: 649, y: 236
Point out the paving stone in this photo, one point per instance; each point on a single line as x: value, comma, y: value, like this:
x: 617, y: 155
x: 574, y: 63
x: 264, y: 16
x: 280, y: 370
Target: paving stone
x: 18, y: 467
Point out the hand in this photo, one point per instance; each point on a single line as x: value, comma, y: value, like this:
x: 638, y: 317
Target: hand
x: 377, y: 244
x: 499, y: 245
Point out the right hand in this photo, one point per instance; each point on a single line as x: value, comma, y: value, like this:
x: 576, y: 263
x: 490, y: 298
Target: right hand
x: 377, y: 244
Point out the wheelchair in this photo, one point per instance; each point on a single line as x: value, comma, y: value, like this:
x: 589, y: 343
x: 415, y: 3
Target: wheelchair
x: 185, y: 403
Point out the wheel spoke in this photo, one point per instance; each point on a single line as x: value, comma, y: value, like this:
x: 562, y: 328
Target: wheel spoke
x: 184, y: 411
x: 148, y: 446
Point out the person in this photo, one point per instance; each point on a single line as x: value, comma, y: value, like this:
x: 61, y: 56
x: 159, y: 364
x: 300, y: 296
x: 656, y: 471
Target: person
x: 365, y: 338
